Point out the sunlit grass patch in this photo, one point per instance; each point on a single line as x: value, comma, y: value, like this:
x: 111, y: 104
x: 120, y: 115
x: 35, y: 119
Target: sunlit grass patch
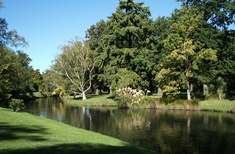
x: 25, y: 133
x: 218, y: 105
x: 92, y: 100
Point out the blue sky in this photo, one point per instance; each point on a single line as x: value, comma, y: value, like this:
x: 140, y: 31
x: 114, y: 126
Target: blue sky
x: 48, y: 24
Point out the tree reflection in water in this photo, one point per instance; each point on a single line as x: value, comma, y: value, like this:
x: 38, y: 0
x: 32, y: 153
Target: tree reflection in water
x: 159, y: 130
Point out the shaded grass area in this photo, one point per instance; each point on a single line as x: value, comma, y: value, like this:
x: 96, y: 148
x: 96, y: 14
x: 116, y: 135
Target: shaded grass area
x: 25, y: 133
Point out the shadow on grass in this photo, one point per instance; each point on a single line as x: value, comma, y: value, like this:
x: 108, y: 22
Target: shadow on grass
x: 15, y: 132
x: 83, y: 148
x: 9, y: 132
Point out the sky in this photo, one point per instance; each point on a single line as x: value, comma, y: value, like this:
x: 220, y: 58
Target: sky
x: 48, y: 24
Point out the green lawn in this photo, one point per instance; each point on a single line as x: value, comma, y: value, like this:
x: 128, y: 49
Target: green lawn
x: 92, y: 100
x: 218, y: 105
x: 26, y: 133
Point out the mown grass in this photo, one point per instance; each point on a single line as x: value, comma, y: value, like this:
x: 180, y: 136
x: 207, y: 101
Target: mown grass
x: 204, y: 105
x: 217, y: 105
x: 26, y: 133
x: 92, y: 100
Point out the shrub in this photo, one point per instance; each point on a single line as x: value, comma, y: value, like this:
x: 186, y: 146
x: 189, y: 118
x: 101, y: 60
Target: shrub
x: 16, y: 104
x: 59, y: 91
x: 127, y: 97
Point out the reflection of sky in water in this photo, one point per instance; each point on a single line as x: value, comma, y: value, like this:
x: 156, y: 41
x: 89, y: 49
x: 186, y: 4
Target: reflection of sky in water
x: 43, y: 114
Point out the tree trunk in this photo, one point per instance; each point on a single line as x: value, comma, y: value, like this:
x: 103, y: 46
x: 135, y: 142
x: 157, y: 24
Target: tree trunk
x: 97, y: 91
x: 159, y: 91
x: 110, y: 90
x: 188, y: 91
x: 191, y: 87
x: 83, y: 96
x: 188, y: 94
x: 205, y: 89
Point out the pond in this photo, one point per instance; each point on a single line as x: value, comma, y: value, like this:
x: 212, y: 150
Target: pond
x: 158, y: 130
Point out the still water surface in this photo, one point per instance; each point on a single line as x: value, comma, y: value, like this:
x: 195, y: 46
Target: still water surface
x: 158, y: 130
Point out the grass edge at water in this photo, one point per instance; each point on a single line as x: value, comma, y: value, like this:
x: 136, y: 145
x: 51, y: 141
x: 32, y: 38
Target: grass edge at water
x: 25, y: 133
x: 217, y: 105
x: 155, y: 102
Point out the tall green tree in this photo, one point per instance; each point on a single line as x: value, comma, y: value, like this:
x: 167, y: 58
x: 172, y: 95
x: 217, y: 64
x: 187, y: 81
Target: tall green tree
x: 129, y: 35
x: 226, y: 59
x: 220, y: 16
x: 94, y: 34
x: 15, y: 71
x: 219, y: 13
x: 23, y: 74
x: 6, y: 68
x: 182, y: 60
x: 15, y: 74
x: 37, y: 79
x: 205, y: 37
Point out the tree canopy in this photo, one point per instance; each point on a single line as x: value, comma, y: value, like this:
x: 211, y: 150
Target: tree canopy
x: 16, y: 74
x: 76, y: 63
x: 219, y: 13
x: 192, y: 48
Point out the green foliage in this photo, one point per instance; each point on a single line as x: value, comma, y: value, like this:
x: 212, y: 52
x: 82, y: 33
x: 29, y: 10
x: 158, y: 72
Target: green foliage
x: 76, y: 63
x: 128, y: 34
x: 51, y: 80
x: 58, y: 92
x: 221, y: 87
x: 126, y: 78
x: 37, y: 79
x: 217, y: 13
x: 16, y: 76
x: 15, y: 71
x: 95, y: 33
x: 174, y: 53
x: 194, y: 102
x: 181, y: 63
x: 16, y: 104
x: 9, y: 37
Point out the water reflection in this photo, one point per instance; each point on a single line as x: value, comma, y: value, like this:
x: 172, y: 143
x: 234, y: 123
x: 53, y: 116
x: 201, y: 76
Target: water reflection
x: 159, y: 130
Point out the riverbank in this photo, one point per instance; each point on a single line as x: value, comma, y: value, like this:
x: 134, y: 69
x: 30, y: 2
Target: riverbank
x: 154, y: 102
x: 218, y: 105
x: 25, y: 133
x: 93, y: 100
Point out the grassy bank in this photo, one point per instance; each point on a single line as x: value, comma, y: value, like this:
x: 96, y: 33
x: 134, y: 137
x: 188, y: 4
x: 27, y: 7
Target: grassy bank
x: 92, y: 100
x: 155, y: 102
x: 25, y: 133
x: 218, y: 105
x: 203, y: 105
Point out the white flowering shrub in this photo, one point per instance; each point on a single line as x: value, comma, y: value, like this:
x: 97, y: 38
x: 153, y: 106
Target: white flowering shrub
x: 127, y: 97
